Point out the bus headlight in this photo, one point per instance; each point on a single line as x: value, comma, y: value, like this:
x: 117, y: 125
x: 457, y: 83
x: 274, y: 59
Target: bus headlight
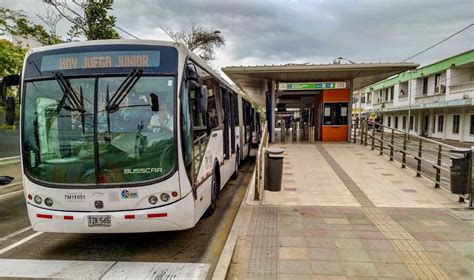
x: 153, y: 199
x: 165, y: 197
x: 38, y: 199
x: 48, y: 201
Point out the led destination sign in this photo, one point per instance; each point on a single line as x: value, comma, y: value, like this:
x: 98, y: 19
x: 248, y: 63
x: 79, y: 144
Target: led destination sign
x: 111, y: 59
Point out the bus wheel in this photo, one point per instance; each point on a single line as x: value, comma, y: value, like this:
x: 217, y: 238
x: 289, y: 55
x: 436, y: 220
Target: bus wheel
x: 235, y: 175
x: 214, y: 190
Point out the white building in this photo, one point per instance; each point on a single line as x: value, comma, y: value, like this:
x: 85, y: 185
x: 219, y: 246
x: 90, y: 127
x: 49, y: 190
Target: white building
x: 435, y: 101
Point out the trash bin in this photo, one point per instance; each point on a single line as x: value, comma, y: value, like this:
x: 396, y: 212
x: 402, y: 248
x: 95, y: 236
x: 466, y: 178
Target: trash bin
x: 273, y: 169
x: 460, y: 171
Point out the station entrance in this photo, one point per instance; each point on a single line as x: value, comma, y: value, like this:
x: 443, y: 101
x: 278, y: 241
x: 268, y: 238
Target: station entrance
x: 312, y: 101
x: 313, y: 111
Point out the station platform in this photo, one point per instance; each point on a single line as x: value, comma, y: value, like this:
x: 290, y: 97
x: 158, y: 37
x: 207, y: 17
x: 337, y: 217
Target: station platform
x: 344, y: 212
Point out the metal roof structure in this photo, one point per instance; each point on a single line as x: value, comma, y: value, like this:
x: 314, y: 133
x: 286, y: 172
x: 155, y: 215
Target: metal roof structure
x: 253, y: 79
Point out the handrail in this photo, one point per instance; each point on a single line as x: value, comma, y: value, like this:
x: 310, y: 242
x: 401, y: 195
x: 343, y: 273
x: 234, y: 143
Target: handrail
x: 198, y: 155
x: 427, y: 157
x: 259, y: 174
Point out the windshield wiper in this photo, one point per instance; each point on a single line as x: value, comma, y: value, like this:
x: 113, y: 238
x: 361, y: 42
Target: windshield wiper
x: 69, y: 94
x: 122, y: 91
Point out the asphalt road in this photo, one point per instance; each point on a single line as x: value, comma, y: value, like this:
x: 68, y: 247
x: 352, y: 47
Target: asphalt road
x: 201, y: 244
x: 9, y: 143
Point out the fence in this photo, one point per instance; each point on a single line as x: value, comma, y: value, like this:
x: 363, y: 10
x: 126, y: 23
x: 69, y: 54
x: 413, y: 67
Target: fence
x: 428, y: 158
x: 260, y: 163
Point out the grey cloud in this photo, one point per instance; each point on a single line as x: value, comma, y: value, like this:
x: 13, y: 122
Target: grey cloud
x: 308, y: 31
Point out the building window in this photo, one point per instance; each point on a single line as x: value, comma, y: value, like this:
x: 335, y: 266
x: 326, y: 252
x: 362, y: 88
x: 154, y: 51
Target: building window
x: 426, y: 124
x: 471, y: 130
x: 389, y: 121
x: 404, y: 122
x: 392, y: 89
x: 433, y: 127
x: 456, y: 124
x: 425, y: 85
x: 396, y: 122
x: 437, y: 82
x: 362, y: 100
x: 412, y: 121
x: 440, y: 123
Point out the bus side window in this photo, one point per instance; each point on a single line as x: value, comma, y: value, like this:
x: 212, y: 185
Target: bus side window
x: 213, y: 121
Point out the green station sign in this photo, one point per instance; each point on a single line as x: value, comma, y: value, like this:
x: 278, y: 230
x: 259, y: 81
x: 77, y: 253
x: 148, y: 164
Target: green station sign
x: 313, y: 86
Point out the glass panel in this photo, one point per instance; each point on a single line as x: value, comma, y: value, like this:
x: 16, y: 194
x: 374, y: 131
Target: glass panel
x: 59, y: 140
x: 335, y: 113
x: 186, y: 130
x: 136, y: 142
x: 440, y: 123
x: 471, y: 130
x: 456, y: 123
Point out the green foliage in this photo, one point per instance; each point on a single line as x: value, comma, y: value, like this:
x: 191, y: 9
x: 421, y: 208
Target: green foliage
x: 96, y: 24
x: 16, y: 23
x: 199, y: 40
x: 11, y: 58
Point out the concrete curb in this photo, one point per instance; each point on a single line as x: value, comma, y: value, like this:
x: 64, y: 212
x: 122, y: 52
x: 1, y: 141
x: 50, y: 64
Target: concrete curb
x: 9, y: 161
x: 226, y: 256
x: 11, y: 188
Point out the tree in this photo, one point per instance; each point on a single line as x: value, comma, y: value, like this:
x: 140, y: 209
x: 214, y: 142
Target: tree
x: 91, y: 21
x: 16, y: 23
x: 11, y: 58
x: 199, y: 40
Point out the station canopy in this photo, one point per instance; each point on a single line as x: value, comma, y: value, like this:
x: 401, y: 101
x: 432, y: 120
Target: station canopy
x: 253, y: 79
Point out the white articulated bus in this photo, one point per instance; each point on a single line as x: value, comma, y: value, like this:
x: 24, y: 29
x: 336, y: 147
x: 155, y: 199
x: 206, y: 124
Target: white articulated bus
x: 126, y: 136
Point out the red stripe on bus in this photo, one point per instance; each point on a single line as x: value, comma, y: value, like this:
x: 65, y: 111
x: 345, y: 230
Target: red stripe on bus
x: 44, y: 216
x: 157, y: 215
x: 129, y: 217
x: 69, y: 218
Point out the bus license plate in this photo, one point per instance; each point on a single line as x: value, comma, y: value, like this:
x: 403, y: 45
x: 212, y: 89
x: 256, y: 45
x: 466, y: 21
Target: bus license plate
x: 99, y: 221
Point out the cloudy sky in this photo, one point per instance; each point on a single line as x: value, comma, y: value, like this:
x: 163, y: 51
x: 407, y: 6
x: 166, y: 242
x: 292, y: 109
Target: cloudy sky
x: 297, y: 31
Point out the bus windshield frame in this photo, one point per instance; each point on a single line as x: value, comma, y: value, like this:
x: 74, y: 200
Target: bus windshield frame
x: 90, y: 146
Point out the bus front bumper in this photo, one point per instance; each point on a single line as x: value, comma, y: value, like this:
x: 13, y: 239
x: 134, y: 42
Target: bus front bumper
x: 176, y: 216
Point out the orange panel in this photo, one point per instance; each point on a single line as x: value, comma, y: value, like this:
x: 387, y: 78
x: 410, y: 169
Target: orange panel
x: 336, y: 95
x: 335, y: 133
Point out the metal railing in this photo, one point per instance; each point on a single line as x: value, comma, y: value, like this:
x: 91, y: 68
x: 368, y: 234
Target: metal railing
x: 428, y: 158
x: 260, y: 163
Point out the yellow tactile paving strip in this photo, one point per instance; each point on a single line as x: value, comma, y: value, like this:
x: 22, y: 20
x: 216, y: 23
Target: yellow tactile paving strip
x: 420, y: 263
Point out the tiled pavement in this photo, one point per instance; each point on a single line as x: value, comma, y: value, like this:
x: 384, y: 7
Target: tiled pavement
x: 359, y: 238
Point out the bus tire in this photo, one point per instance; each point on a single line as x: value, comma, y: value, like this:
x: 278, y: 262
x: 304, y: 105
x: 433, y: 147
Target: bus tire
x: 235, y: 175
x: 214, y: 192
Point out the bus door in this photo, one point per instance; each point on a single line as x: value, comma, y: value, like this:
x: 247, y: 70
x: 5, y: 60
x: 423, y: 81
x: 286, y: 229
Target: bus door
x: 226, y: 107
x: 194, y: 103
x: 252, y: 120
x: 233, y: 121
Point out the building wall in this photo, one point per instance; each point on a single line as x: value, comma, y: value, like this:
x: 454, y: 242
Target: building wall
x: 452, y: 94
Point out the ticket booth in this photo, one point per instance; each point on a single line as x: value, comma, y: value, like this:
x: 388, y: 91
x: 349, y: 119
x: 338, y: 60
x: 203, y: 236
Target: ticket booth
x: 335, y: 115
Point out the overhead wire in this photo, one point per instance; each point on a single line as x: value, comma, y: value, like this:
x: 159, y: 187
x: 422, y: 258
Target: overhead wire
x: 440, y: 42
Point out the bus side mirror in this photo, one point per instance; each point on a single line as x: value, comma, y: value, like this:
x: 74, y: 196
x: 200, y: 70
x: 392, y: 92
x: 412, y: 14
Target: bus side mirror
x: 10, y: 110
x: 9, y: 103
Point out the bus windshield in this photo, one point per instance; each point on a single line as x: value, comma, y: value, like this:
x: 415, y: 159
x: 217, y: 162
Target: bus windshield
x: 70, y: 135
